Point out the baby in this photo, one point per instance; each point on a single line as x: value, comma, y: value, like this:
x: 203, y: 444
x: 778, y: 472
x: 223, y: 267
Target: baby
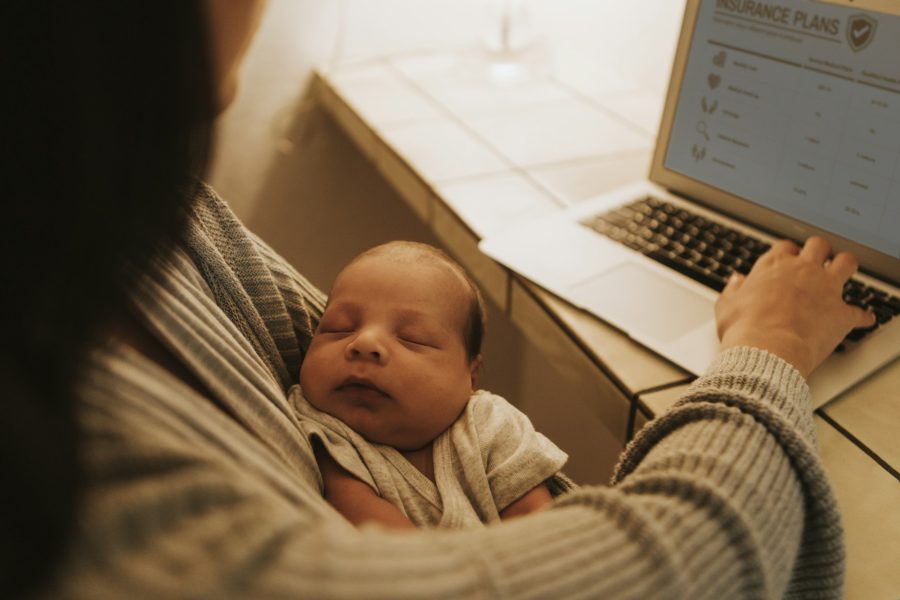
x: 388, y: 401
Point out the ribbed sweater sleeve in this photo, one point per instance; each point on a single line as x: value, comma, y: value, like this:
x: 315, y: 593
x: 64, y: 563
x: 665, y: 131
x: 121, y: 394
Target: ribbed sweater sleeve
x: 731, y: 484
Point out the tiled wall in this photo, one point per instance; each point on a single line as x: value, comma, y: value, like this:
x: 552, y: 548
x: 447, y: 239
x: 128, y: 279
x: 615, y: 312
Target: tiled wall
x: 297, y: 34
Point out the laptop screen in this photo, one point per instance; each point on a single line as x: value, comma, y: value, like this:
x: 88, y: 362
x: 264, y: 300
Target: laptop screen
x: 795, y: 105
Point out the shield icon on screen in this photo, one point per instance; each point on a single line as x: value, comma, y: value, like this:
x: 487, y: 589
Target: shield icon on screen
x: 860, y: 31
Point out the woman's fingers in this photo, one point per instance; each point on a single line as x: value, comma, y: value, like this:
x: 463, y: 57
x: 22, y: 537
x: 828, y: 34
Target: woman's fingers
x: 843, y: 266
x: 816, y: 250
x: 791, y: 304
x: 785, y: 247
x: 734, y: 283
x: 860, y: 317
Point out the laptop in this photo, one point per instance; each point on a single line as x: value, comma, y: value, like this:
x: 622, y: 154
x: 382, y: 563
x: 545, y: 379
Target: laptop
x: 782, y: 120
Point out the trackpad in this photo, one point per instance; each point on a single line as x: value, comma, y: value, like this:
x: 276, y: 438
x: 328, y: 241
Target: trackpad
x: 643, y: 303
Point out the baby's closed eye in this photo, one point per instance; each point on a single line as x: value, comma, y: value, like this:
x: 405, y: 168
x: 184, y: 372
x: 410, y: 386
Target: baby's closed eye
x: 335, y: 324
x: 326, y: 330
x: 419, y: 337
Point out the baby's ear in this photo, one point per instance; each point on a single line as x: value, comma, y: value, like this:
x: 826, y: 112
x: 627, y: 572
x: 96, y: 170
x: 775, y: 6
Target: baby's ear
x: 474, y: 370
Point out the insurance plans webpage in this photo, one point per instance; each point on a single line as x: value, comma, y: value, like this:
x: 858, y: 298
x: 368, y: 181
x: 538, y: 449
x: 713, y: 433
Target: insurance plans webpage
x: 795, y: 105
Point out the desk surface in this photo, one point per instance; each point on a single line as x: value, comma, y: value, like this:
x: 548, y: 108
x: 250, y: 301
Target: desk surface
x: 471, y: 156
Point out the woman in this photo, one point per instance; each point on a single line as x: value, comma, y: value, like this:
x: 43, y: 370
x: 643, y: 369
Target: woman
x: 149, y: 340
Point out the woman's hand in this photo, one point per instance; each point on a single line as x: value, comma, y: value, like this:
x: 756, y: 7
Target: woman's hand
x: 791, y: 304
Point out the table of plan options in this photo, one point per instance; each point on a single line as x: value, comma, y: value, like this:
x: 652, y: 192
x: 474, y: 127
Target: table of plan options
x: 819, y: 142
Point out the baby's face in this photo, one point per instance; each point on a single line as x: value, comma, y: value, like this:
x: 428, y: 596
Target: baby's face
x: 388, y: 358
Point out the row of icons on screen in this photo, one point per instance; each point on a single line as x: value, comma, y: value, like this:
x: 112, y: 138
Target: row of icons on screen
x: 709, y: 105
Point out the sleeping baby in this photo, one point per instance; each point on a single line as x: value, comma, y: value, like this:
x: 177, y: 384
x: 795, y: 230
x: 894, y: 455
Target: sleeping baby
x: 387, y: 400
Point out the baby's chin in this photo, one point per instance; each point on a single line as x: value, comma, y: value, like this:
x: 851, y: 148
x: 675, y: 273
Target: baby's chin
x: 400, y: 443
x: 375, y: 432
x: 365, y: 422
x: 370, y: 422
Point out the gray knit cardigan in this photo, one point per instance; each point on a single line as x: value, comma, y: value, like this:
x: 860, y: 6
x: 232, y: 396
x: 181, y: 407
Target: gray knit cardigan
x: 218, y: 496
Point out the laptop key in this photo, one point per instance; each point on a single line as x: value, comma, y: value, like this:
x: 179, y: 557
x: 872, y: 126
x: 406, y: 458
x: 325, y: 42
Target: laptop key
x: 882, y: 306
x: 852, y: 301
x: 882, y: 314
x: 685, y: 216
x: 894, y: 303
x: 706, y: 277
x: 724, y: 272
x: 715, y: 254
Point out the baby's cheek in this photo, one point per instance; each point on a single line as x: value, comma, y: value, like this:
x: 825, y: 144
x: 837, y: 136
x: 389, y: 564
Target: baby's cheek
x: 309, y: 369
x: 302, y: 369
x: 448, y: 394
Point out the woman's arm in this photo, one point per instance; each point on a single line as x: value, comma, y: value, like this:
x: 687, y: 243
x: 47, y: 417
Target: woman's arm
x: 356, y: 500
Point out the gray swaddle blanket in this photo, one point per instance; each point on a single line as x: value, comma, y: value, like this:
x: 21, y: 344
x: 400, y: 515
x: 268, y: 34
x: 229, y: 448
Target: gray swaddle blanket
x: 487, y: 459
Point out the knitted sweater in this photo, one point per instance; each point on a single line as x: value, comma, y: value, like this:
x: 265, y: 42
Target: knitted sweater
x: 218, y: 496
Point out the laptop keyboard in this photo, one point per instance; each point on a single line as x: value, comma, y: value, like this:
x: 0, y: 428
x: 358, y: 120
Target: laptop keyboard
x: 709, y: 252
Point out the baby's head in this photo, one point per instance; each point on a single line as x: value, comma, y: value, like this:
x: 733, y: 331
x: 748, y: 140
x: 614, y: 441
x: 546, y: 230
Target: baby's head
x: 397, y: 350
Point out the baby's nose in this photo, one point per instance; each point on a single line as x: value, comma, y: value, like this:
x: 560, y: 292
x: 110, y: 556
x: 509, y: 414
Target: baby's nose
x: 367, y: 345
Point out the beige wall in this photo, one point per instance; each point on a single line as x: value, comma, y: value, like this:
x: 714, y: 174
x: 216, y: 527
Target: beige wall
x: 296, y: 35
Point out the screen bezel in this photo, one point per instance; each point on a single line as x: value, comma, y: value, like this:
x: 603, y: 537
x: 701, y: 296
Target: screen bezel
x: 871, y: 261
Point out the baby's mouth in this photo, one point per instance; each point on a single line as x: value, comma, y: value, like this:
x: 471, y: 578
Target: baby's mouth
x: 361, y: 385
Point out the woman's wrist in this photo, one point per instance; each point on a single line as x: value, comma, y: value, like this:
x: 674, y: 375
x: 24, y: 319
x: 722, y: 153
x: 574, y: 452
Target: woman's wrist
x: 785, y: 345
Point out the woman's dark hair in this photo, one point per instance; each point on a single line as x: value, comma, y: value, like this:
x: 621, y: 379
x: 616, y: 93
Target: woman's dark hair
x: 106, y: 110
